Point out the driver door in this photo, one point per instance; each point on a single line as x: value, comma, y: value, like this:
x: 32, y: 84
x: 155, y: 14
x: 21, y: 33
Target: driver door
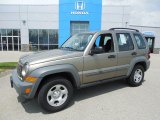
x: 102, y: 65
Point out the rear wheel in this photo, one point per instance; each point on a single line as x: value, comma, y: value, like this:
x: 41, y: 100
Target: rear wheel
x: 55, y: 95
x: 136, y: 77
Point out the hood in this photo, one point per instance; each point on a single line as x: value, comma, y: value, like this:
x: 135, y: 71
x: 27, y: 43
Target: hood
x: 51, y: 55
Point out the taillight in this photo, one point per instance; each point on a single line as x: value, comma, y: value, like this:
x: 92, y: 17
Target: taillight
x: 149, y: 54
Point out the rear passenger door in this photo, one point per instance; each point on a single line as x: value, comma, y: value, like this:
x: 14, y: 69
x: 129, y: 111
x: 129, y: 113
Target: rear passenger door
x: 126, y: 52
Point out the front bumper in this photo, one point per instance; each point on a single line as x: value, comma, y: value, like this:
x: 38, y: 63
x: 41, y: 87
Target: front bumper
x: 20, y: 86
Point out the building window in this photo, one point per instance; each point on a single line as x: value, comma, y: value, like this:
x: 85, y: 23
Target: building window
x: 10, y: 40
x: 43, y: 39
x: 79, y: 27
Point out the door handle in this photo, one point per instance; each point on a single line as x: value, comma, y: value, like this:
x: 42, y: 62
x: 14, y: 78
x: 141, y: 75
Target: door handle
x: 134, y: 53
x: 111, y: 56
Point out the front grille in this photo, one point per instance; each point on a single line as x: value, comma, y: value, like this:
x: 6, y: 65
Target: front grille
x: 19, y: 70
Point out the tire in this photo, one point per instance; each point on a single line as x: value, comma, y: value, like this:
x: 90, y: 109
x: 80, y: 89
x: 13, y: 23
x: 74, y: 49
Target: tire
x: 55, y: 95
x: 137, y: 76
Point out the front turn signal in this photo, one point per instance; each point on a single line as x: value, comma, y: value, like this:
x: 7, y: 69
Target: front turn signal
x: 30, y: 79
x: 27, y: 90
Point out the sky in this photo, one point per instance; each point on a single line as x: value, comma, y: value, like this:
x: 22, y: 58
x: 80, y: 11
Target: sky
x: 143, y: 12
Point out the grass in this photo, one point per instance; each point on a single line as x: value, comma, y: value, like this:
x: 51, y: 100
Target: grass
x: 7, y: 65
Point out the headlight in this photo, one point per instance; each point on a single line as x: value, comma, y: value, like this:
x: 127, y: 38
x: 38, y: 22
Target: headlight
x: 25, y: 69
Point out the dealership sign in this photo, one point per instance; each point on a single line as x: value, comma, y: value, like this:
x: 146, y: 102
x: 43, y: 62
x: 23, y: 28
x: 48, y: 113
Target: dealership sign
x: 79, y: 12
x: 80, y: 7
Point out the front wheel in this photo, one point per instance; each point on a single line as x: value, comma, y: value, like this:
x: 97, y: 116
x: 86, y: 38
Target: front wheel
x: 136, y: 77
x: 55, y: 95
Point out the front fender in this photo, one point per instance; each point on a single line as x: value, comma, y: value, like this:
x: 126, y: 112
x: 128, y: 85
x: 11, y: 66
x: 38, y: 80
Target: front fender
x: 40, y: 73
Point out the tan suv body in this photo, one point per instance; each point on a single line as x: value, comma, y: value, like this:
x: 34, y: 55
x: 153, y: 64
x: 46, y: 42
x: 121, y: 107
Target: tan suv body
x: 85, y: 59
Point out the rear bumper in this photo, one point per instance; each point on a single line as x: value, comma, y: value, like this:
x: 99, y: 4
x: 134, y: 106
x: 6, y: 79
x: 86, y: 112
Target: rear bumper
x: 20, y: 86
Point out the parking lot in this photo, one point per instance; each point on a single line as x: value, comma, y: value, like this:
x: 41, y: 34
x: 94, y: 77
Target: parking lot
x: 110, y: 101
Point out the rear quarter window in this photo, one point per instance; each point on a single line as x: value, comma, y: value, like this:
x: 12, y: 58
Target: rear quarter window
x: 139, y: 41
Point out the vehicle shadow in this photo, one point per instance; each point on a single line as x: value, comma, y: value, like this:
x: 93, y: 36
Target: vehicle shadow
x: 31, y: 106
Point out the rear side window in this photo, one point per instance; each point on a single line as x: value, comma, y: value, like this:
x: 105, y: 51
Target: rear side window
x: 140, y: 41
x: 125, y: 42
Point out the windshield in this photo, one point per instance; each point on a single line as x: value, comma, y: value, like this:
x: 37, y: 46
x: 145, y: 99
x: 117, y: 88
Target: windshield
x: 77, y: 42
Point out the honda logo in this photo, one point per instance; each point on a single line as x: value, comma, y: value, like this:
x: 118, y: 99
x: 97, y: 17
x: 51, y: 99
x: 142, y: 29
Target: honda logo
x: 79, y: 5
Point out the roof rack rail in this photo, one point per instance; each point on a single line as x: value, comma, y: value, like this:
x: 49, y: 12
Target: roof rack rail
x: 125, y: 29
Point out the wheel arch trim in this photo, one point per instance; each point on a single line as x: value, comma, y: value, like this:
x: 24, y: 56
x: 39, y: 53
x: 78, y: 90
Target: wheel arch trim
x: 40, y: 73
x: 135, y: 61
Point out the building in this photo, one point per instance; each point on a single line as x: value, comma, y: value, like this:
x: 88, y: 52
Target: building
x: 44, y: 27
x: 152, y: 35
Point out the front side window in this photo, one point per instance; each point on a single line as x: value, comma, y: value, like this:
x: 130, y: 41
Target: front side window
x: 77, y: 42
x: 105, y: 41
x: 140, y: 41
x: 125, y: 42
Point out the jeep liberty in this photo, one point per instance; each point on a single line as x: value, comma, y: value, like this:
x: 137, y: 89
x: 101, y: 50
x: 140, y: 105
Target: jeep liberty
x: 85, y: 59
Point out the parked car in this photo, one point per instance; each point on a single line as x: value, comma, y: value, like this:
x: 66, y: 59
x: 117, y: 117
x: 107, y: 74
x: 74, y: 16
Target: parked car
x: 85, y: 59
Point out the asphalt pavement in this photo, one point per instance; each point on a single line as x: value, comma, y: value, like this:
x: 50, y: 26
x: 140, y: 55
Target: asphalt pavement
x: 110, y: 101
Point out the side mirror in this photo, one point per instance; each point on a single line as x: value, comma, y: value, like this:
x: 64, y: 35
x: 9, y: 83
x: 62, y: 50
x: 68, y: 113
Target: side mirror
x: 96, y: 50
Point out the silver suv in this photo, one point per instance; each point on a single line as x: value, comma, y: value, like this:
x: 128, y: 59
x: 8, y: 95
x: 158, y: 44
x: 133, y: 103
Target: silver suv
x: 85, y: 59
